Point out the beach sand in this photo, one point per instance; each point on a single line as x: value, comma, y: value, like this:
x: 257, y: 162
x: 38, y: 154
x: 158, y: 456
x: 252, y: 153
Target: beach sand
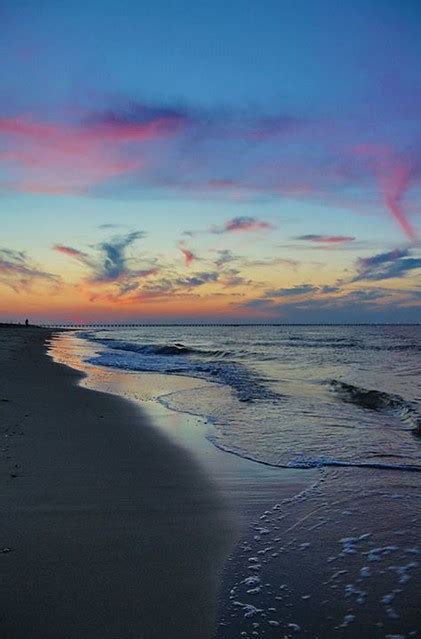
x: 108, y: 529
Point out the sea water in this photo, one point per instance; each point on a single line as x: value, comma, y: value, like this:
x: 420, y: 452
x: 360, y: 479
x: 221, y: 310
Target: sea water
x: 291, y: 396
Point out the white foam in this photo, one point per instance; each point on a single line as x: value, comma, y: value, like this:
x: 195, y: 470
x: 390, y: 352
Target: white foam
x: 337, y: 574
x: 391, y: 613
x: 250, y: 610
x: 251, y: 581
x: 360, y: 595
x: 377, y: 554
x: 365, y: 572
x: 402, y: 571
x: 262, y: 531
x: 348, y: 619
x: 387, y: 599
x: 349, y: 543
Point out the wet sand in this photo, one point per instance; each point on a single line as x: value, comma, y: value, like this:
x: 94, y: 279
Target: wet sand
x: 108, y: 529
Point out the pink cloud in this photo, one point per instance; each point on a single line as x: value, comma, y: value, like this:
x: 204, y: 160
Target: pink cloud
x: 71, y: 252
x: 395, y: 184
x: 135, y: 132
x: 326, y: 239
x: 395, y: 175
x: 26, y: 128
x: 58, y: 158
x: 189, y: 256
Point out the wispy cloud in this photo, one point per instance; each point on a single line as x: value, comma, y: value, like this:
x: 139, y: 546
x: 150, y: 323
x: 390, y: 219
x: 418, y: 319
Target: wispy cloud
x: 167, y: 287
x: 242, y: 224
x: 196, y: 280
x: 114, y: 262
x: 395, y: 172
x: 189, y: 256
x: 325, y: 305
x: 81, y: 256
x: 302, y: 289
x: 69, y: 157
x: 224, y: 256
x: 109, y: 226
x: 239, y: 224
x: 384, y: 266
x: 19, y: 273
x: 135, y: 121
x: 266, y: 262
x: 326, y: 239
x: 59, y: 158
x: 108, y: 262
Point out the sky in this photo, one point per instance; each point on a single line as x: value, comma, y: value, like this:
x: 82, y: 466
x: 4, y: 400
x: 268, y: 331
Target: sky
x: 180, y: 161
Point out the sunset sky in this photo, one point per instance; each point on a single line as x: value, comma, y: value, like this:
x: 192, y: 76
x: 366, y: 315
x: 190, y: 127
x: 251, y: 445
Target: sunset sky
x: 210, y: 161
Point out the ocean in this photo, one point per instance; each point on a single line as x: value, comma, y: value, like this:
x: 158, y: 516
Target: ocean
x: 288, y: 396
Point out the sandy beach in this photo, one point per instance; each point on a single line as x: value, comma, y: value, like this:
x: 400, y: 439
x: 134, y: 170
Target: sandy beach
x: 108, y: 529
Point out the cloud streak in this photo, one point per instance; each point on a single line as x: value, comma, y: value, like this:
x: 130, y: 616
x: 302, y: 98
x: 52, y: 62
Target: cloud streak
x: 109, y: 263
x: 80, y: 256
x: 395, y: 172
x: 302, y: 289
x: 189, y: 256
x: 19, y: 273
x: 242, y: 224
x: 395, y: 185
x: 64, y: 157
x: 389, y: 265
x: 326, y: 239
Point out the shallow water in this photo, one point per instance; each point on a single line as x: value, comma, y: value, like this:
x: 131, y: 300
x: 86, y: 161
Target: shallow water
x: 288, y: 396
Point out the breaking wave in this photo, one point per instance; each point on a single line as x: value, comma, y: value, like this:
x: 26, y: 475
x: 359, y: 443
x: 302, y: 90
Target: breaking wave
x: 380, y: 402
x: 248, y: 386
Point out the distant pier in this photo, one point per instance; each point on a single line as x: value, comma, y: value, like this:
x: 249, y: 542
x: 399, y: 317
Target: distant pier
x: 76, y: 326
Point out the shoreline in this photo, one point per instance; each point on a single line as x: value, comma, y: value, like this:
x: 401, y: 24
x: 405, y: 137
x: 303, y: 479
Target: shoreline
x: 245, y: 485
x: 109, y: 529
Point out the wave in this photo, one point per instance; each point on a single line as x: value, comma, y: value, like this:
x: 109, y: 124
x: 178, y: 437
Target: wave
x: 379, y: 401
x: 153, y: 349
x: 338, y: 344
x: 248, y: 386
x: 230, y: 440
x: 306, y: 462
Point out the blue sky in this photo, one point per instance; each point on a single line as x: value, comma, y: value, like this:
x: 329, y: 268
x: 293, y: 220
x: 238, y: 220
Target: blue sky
x: 286, y: 133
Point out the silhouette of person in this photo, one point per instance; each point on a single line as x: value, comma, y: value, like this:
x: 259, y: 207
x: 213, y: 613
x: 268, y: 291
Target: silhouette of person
x: 26, y: 322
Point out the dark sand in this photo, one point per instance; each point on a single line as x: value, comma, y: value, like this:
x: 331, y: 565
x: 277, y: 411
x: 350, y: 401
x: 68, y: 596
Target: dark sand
x: 107, y: 528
